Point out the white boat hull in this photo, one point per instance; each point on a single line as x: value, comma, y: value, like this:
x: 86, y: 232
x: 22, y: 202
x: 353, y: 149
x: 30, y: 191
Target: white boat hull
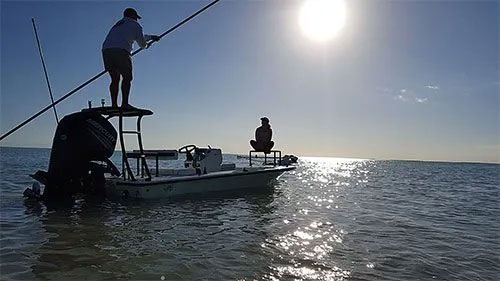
x: 251, y: 179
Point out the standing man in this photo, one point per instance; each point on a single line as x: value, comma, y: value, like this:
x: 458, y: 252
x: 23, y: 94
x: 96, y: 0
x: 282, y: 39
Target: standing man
x: 116, y: 51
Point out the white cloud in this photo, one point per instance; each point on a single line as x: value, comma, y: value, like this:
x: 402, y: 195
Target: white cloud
x: 432, y: 87
x: 409, y: 96
x: 401, y: 98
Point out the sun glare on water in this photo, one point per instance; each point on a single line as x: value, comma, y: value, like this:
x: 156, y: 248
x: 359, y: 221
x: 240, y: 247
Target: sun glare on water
x: 321, y: 20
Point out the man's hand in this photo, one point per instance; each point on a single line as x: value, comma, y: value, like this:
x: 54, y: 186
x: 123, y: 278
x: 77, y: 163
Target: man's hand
x: 152, y: 39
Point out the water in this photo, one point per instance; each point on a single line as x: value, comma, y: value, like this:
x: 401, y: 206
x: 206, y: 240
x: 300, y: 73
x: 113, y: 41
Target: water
x: 331, y: 219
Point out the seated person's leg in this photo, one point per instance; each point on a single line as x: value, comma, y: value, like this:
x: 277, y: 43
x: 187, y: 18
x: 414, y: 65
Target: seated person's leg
x: 268, y: 146
x: 255, y: 145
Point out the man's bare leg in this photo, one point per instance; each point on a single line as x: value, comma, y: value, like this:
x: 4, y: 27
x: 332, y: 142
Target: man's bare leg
x: 126, y: 81
x: 113, y: 87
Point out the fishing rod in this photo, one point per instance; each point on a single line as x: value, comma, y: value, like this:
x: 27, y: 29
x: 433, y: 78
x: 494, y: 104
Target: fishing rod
x: 44, y: 69
x: 100, y: 74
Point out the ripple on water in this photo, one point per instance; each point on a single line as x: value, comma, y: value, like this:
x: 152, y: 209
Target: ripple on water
x: 331, y: 219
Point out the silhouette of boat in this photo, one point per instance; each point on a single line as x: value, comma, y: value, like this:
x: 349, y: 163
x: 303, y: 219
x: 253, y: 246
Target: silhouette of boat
x: 85, y: 141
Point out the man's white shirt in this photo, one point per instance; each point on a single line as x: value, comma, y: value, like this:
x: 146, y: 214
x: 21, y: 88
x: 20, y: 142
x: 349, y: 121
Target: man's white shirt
x: 123, y: 34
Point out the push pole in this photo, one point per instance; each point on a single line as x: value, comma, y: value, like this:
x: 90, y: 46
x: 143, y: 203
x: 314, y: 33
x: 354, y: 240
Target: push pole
x: 99, y: 75
x: 44, y: 68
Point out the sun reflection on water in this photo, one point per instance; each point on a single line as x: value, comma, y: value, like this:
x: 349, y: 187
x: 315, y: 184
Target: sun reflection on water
x: 311, y: 242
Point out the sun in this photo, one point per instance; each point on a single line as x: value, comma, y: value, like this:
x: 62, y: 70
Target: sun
x: 321, y: 20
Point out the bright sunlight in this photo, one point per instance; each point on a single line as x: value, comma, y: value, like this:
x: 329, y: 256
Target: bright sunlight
x: 321, y: 20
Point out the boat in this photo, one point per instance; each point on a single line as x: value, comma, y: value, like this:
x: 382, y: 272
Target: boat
x: 182, y: 182
x: 84, y: 142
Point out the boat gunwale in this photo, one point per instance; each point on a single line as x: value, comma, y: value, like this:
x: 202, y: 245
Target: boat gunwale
x: 202, y: 177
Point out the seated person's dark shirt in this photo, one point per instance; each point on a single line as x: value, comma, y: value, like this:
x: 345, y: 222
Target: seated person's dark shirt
x: 263, y: 134
x: 262, y: 142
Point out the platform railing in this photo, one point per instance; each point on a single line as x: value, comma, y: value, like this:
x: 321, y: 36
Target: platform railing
x: 276, y: 156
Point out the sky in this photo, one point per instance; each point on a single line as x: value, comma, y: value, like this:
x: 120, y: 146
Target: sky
x: 401, y: 79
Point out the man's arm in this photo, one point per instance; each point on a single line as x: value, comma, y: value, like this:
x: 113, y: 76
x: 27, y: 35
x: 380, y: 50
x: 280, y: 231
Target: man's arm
x: 140, y: 38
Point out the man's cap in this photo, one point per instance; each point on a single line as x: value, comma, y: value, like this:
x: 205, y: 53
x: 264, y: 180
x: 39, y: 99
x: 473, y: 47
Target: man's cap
x: 131, y: 13
x: 264, y: 119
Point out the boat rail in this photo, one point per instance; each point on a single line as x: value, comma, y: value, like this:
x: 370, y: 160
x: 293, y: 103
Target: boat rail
x: 276, y: 156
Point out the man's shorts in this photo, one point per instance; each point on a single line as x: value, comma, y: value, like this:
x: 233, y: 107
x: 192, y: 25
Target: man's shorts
x: 116, y: 59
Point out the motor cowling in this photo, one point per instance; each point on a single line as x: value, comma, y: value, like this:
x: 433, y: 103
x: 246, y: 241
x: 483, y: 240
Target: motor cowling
x: 80, y: 138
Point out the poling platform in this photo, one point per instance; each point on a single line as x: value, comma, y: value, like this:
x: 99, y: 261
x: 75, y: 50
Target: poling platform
x: 115, y: 111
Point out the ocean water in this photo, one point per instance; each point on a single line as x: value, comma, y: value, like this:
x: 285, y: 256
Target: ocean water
x: 330, y: 219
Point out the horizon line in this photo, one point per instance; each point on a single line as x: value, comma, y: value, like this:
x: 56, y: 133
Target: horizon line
x: 305, y: 156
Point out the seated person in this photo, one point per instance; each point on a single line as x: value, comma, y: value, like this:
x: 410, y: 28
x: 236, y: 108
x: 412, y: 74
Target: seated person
x: 263, y: 136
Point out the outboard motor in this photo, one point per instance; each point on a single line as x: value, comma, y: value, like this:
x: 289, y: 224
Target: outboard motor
x: 80, y: 139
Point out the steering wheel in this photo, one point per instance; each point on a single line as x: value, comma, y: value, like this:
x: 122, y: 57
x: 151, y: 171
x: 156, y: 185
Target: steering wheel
x: 187, y: 148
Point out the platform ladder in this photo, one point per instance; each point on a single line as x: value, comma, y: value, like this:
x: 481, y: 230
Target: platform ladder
x: 126, y: 170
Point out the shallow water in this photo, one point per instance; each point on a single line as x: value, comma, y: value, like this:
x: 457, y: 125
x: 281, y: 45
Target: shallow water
x: 331, y: 219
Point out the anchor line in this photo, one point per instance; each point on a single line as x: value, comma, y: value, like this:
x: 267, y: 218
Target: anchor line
x: 101, y: 73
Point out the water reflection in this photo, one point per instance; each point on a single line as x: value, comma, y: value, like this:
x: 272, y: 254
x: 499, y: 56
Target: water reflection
x: 309, y: 242
x: 291, y: 232
x: 73, y: 242
x: 331, y: 219
x: 182, y: 239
